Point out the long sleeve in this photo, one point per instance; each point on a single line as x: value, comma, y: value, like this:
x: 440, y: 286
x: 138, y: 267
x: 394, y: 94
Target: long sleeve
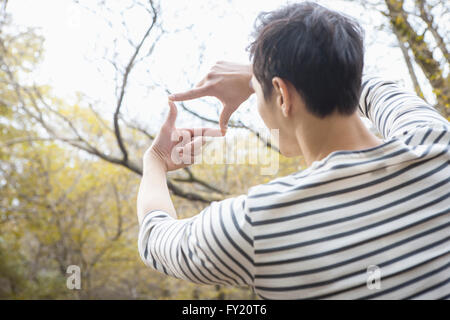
x: 395, y: 112
x: 213, y: 247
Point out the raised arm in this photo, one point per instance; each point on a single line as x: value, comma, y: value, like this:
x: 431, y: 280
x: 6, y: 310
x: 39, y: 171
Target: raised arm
x: 172, y: 149
x: 396, y: 112
x: 227, y: 81
x: 213, y: 247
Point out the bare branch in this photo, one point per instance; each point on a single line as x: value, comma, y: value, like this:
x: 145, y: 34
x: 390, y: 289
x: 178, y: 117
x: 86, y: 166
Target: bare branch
x: 192, y: 179
x: 409, y: 65
x: 124, y: 85
x: 428, y: 19
x: 423, y: 55
x: 135, y: 126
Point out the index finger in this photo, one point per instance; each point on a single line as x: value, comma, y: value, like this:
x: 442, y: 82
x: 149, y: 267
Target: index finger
x: 194, y: 93
x: 205, y: 132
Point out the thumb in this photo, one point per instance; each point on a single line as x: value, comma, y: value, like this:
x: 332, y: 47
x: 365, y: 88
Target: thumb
x: 172, y: 116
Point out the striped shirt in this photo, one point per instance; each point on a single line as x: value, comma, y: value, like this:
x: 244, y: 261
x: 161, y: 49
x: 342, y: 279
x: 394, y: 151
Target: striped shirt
x: 365, y: 224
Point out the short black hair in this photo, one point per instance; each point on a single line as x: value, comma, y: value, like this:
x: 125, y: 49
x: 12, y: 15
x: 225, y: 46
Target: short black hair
x: 319, y: 51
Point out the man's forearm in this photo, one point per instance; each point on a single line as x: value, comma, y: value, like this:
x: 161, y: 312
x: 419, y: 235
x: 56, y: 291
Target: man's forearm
x: 392, y: 109
x: 153, y: 191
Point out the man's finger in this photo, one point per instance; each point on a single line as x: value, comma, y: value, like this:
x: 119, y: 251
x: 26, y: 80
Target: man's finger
x: 205, y: 132
x: 200, y: 83
x: 194, y: 93
x: 195, y: 146
x: 172, y: 116
x: 224, y: 118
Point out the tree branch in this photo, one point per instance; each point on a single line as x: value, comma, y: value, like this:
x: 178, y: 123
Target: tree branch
x: 428, y: 19
x: 128, y: 69
x: 409, y: 65
x: 422, y: 54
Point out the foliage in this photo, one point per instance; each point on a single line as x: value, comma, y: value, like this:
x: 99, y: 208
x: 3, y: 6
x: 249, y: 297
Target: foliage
x: 69, y: 177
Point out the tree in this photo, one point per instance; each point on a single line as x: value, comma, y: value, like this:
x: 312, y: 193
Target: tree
x: 68, y: 173
x: 61, y: 206
x: 119, y: 140
x: 83, y: 127
x: 420, y: 27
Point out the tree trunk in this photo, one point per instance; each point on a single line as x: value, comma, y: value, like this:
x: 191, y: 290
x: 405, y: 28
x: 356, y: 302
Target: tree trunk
x: 422, y: 55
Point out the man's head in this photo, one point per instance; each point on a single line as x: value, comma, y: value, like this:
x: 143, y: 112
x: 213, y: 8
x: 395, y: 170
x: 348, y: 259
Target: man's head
x: 307, y: 64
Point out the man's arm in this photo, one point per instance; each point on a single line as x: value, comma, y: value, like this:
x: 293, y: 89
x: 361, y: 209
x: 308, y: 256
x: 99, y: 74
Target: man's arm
x: 172, y: 149
x: 153, y: 191
x: 213, y: 247
x: 395, y: 112
x: 227, y: 81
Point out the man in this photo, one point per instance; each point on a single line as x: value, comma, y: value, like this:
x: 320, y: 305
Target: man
x: 368, y: 218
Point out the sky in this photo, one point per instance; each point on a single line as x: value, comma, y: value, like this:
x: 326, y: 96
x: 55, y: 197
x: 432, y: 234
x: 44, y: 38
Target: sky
x: 77, y: 40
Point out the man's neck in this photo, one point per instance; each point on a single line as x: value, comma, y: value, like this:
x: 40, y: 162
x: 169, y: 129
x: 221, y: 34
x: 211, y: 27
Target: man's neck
x: 317, y: 138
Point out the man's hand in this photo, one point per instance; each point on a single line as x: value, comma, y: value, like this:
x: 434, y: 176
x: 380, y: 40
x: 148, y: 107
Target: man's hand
x: 176, y: 148
x: 229, y: 82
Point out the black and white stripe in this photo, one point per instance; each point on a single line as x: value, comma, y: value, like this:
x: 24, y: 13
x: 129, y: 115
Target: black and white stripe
x: 313, y: 234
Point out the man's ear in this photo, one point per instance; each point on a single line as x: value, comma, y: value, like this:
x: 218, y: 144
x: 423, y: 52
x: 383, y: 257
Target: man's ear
x: 282, y: 95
